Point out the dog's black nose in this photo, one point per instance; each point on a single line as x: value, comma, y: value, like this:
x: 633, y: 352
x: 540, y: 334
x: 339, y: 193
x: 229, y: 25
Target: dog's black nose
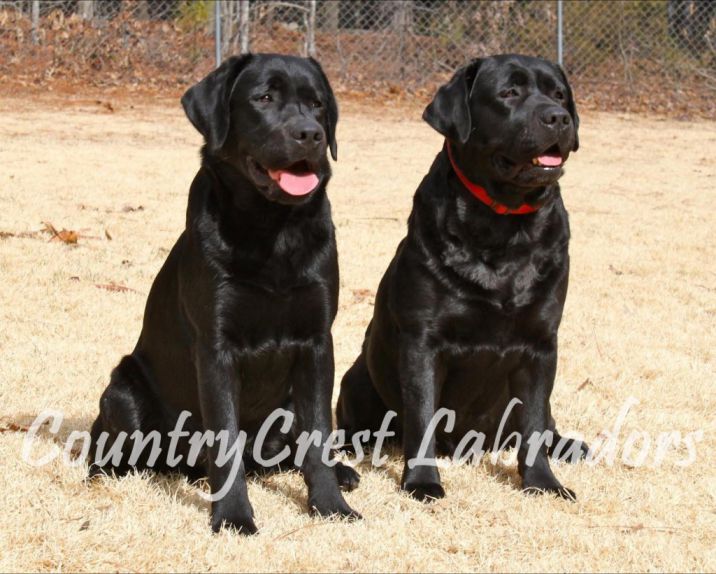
x: 307, y: 133
x: 554, y: 117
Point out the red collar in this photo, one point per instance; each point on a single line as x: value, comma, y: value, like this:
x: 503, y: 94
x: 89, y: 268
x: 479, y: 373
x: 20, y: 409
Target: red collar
x: 481, y: 194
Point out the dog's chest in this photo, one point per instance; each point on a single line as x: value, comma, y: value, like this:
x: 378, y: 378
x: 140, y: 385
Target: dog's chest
x: 254, y: 317
x: 467, y: 328
x: 508, y: 302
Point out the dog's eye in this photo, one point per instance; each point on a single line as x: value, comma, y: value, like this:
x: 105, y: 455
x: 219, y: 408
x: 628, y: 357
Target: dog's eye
x: 315, y: 104
x: 265, y: 99
x: 509, y: 93
x: 559, y: 94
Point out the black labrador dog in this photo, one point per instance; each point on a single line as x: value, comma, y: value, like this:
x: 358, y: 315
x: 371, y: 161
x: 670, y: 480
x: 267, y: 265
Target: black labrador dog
x: 238, y: 320
x: 466, y: 316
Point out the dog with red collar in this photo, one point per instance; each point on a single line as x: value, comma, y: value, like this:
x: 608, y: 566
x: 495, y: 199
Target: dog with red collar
x: 467, y: 313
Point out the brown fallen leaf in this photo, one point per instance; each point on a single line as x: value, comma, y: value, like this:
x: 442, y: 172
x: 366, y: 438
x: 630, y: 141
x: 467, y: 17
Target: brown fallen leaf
x: 106, y: 105
x: 586, y: 382
x: 13, y: 427
x: 115, y: 287
x: 68, y: 236
x: 65, y: 235
x: 85, y: 525
x: 129, y: 208
x: 107, y: 235
x: 360, y: 295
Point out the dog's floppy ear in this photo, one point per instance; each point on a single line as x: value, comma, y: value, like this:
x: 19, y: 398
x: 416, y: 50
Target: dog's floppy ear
x: 449, y: 112
x: 571, y: 107
x: 206, y: 103
x: 331, y: 111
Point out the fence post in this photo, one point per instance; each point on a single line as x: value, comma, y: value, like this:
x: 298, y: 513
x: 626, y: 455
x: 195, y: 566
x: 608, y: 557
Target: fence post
x: 217, y: 31
x: 560, y: 34
x: 311, y: 29
x: 35, y: 20
x: 244, y: 26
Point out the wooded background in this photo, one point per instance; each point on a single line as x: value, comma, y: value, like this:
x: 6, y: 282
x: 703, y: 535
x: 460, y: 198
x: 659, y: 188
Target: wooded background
x: 645, y: 55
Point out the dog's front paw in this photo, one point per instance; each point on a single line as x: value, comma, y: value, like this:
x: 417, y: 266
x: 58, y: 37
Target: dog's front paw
x: 333, y: 508
x: 348, y: 478
x: 424, y: 491
x: 422, y: 483
x: 241, y: 519
x: 243, y: 524
x: 546, y: 485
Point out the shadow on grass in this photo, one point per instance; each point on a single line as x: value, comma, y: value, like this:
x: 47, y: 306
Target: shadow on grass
x: 286, y: 482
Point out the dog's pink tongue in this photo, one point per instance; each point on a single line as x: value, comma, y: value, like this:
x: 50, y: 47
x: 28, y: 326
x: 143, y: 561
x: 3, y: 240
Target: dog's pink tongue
x: 550, y: 160
x: 295, y: 183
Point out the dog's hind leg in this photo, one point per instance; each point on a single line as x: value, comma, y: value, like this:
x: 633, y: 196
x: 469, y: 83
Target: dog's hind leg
x: 126, y: 407
x: 359, y: 407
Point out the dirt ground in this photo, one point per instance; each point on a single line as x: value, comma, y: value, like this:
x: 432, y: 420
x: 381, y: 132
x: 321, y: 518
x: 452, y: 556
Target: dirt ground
x: 639, y: 323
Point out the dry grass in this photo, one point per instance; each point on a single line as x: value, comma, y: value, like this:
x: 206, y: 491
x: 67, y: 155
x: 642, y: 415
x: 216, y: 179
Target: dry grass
x: 639, y: 322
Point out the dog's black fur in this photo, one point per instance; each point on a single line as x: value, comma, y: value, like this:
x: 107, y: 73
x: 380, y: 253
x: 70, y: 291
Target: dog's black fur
x: 238, y: 320
x: 466, y: 316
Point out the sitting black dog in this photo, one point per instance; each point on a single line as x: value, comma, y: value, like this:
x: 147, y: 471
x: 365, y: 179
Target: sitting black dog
x: 238, y: 320
x: 466, y: 316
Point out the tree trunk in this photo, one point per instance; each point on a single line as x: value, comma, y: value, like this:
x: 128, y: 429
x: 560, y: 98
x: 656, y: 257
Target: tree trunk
x: 331, y: 15
x: 228, y: 21
x: 85, y: 8
x: 244, y: 26
x: 403, y: 16
x: 311, y: 29
x: 35, y: 21
x: 140, y: 9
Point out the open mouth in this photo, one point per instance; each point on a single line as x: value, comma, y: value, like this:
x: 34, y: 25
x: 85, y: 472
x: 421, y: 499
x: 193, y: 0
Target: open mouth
x: 552, y: 157
x: 548, y: 161
x: 297, y: 179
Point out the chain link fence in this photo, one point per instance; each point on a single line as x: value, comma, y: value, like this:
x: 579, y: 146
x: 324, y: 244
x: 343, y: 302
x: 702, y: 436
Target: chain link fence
x: 655, y: 54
